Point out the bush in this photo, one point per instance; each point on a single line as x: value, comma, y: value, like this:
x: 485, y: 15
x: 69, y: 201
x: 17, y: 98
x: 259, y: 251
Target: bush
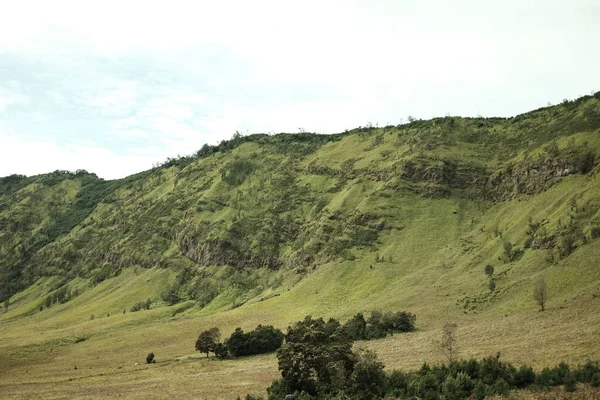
x: 451, y: 389
x: 480, y: 391
x: 150, y: 358
x: 501, y: 387
x: 523, y: 377
x: 570, y: 382
x: 368, y: 378
x: 595, y: 381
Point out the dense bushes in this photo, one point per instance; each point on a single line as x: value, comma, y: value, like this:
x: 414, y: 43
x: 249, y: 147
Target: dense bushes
x: 458, y: 380
x: 379, y: 325
x: 264, y: 339
x: 60, y: 296
x: 316, y: 361
x: 141, y: 305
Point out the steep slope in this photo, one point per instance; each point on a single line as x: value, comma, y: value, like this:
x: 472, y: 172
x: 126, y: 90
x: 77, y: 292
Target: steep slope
x: 267, y: 229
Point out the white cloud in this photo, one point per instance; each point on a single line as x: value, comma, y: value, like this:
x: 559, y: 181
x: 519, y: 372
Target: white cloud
x: 10, y: 97
x: 178, y: 74
x: 42, y: 156
x: 113, y: 97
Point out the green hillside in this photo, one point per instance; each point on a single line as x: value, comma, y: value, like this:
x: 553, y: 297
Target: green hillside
x: 268, y: 229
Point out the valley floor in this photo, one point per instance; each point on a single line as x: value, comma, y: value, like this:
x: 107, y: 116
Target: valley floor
x: 41, y: 362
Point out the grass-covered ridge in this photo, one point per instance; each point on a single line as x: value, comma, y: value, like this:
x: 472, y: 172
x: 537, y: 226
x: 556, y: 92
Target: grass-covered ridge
x: 267, y: 229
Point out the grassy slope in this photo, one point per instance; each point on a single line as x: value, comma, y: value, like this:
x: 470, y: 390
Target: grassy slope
x: 438, y: 247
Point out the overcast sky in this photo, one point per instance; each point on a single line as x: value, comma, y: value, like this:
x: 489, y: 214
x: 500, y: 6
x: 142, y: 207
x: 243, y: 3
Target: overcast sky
x: 115, y: 86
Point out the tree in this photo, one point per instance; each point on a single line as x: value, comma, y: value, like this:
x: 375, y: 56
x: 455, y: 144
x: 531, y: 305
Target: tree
x: 356, y: 327
x: 508, y: 250
x: 368, y: 379
x: 492, y: 285
x: 447, y: 344
x: 489, y: 270
x: 208, y: 340
x: 540, y: 293
x: 6, y: 304
x: 221, y: 351
x: 315, y: 353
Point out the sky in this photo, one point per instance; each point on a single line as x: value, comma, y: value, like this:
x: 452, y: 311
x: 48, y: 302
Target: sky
x: 114, y: 87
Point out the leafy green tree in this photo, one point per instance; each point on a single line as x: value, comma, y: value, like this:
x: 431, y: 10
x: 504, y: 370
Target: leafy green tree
x: 492, y: 285
x: 221, y: 351
x: 356, y: 328
x: 208, y: 341
x: 368, y: 379
x: 489, y: 270
x: 264, y: 339
x: 310, y: 346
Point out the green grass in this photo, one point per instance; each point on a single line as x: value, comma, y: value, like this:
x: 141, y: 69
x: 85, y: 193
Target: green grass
x: 351, y: 201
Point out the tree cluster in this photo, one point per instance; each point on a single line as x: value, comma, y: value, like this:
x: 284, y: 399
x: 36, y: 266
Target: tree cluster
x: 379, y: 325
x: 460, y: 379
x: 264, y: 339
x: 141, y: 305
x: 60, y: 296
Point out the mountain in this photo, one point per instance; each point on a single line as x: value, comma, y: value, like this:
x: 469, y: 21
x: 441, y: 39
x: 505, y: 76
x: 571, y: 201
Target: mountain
x: 267, y: 229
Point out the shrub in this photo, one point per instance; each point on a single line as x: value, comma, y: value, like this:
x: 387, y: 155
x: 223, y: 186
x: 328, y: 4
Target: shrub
x: 501, y: 387
x: 397, y: 383
x: 368, y: 378
x: 480, y: 391
x: 150, y: 358
x: 451, y: 389
x: 595, y: 381
x: 523, y: 377
x: 570, y: 382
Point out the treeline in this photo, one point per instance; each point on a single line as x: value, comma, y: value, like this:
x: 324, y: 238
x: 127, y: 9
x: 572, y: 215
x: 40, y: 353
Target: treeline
x: 316, y: 361
x: 141, y: 305
x: 263, y: 339
x: 379, y: 325
x: 267, y: 339
x: 60, y: 296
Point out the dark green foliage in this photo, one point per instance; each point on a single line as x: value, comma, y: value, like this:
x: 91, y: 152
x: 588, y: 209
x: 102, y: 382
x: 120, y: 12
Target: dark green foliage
x: 278, y: 390
x: 586, y: 372
x: 311, y: 346
x: 501, y: 387
x: 489, y: 270
x: 492, y: 285
x: 150, y: 358
x: 208, y: 341
x: 356, y: 328
x: 480, y: 391
x: 570, y: 382
x: 379, y: 325
x: 523, y: 377
x: 171, y: 296
x: 461, y: 379
x: 60, y: 296
x: 368, y: 379
x: 141, y: 305
x: 397, y: 383
x: 221, y: 351
x: 237, y: 171
x: 451, y: 389
x: 264, y: 339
